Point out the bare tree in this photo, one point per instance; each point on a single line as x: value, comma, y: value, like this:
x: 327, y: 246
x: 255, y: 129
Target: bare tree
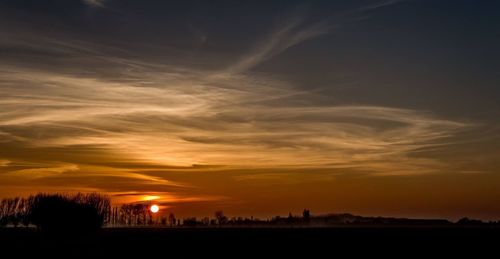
x: 171, y: 219
x: 221, y: 219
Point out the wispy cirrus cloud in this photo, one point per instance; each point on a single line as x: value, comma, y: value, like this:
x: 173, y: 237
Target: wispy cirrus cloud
x: 162, y: 198
x: 4, y: 162
x: 195, y: 120
x: 180, y: 116
x: 290, y: 33
x: 380, y: 4
x: 107, y: 116
x: 294, y: 30
x: 95, y: 3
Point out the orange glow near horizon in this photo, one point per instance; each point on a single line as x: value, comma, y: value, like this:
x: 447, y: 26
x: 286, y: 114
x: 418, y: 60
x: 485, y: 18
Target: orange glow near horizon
x: 150, y: 197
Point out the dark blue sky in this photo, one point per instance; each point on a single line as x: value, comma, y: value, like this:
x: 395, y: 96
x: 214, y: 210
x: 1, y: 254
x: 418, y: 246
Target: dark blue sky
x: 441, y: 56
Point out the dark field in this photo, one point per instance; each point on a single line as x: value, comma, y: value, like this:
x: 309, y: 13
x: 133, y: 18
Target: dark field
x: 236, y: 242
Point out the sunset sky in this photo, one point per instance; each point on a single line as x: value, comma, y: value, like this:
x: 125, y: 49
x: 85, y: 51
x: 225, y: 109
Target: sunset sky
x: 256, y: 108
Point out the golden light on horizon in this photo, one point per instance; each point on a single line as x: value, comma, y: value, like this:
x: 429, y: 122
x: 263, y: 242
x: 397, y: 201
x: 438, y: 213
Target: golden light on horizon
x: 154, y: 208
x: 150, y: 197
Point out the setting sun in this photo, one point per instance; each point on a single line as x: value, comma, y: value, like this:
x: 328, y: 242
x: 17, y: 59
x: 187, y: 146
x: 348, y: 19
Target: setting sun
x: 154, y: 208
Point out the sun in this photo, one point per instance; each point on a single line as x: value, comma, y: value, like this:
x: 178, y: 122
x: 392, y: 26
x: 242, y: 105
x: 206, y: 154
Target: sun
x: 154, y: 208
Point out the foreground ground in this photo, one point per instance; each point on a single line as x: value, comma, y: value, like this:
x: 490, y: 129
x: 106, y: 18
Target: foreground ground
x: 235, y: 242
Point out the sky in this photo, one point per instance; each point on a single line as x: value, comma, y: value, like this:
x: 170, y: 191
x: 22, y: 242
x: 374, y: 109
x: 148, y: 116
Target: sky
x: 256, y: 108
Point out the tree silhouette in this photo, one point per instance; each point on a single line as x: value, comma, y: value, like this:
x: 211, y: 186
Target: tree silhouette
x: 306, y: 216
x: 59, y: 213
x: 171, y: 219
x: 221, y: 219
x: 135, y: 214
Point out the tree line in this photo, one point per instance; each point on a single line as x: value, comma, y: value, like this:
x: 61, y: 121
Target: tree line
x: 56, y: 211
x: 92, y: 210
x: 84, y: 212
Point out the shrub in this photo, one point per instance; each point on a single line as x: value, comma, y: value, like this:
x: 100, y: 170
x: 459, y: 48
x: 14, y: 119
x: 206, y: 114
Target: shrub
x: 66, y: 213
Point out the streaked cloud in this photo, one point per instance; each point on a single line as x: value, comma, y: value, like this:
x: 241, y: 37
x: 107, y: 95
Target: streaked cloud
x: 95, y: 3
x: 194, y: 118
x: 179, y: 116
x: 380, y: 4
x: 84, y: 114
x: 286, y: 35
x: 4, y: 162
x: 162, y: 198
x: 293, y: 30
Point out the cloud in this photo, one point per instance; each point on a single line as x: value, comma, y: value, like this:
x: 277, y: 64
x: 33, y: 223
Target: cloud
x: 381, y: 4
x: 163, y: 198
x: 290, y: 33
x: 41, y: 172
x: 95, y: 3
x: 198, y: 119
x: 88, y: 115
x: 4, y: 162
x: 294, y: 29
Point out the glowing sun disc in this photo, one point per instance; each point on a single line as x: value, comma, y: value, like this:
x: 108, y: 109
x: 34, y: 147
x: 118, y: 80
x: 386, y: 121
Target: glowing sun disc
x: 154, y: 208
